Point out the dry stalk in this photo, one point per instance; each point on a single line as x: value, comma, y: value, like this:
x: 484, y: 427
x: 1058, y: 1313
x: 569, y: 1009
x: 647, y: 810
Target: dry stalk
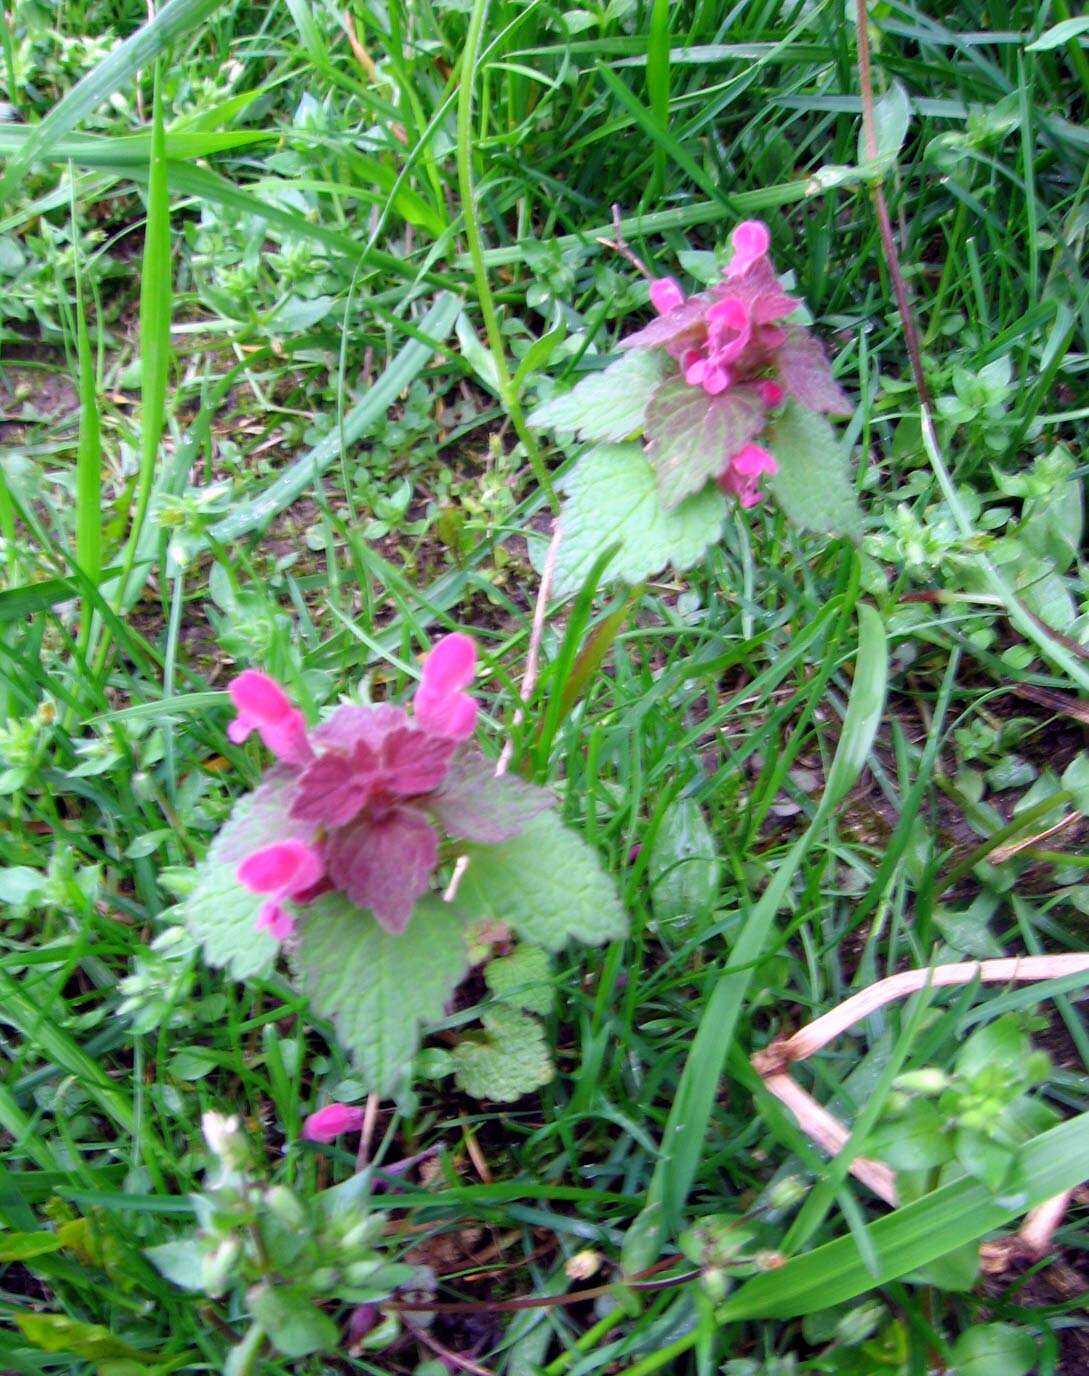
x: 828, y: 1133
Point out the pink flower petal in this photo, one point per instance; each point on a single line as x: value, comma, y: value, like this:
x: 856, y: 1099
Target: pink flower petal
x: 264, y: 707
x: 751, y: 241
x: 771, y: 394
x: 753, y: 460
x: 666, y: 295
x: 716, y: 378
x: 440, y: 706
x: 275, y: 919
x: 329, y: 1122
x: 283, y: 869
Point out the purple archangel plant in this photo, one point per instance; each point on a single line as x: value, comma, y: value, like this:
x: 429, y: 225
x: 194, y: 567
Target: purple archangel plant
x: 729, y: 391
x: 335, y: 858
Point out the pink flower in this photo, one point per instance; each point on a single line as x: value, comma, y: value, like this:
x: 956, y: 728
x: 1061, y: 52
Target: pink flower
x: 666, y: 294
x: 742, y: 474
x: 285, y: 870
x: 329, y: 1122
x: 440, y: 705
x: 751, y: 241
x: 264, y: 707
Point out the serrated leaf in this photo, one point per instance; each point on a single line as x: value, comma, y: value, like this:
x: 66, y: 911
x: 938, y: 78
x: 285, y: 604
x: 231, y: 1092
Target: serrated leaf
x: 523, y: 979
x: 813, y: 485
x: 547, y: 883
x: 607, y: 405
x: 219, y: 912
x: 684, y: 868
x: 691, y: 436
x: 476, y: 804
x: 892, y: 118
x: 612, y: 498
x: 803, y: 369
x: 379, y: 989
x: 508, y: 1060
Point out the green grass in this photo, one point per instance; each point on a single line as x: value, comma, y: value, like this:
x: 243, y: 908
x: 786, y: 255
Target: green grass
x: 229, y: 339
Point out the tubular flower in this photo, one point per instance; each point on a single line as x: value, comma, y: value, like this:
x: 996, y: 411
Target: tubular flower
x: 285, y: 870
x: 329, y: 1122
x: 264, y: 707
x: 440, y: 705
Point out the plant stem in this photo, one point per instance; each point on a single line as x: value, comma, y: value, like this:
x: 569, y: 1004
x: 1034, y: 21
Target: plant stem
x: 508, y: 396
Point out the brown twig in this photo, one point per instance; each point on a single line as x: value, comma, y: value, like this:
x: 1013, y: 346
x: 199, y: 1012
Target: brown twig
x: 620, y: 245
x: 892, y: 258
x: 448, y: 1355
x: 533, y: 654
x: 641, y: 1281
x: 824, y: 1129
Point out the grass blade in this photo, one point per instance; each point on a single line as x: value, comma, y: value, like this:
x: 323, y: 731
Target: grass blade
x: 155, y: 306
x: 685, y: 1130
x: 174, y: 20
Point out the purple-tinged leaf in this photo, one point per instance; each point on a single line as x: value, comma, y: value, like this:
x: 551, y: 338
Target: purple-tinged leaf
x: 474, y: 804
x: 384, y: 864
x: 337, y: 785
x: 686, y: 320
x: 692, y: 436
x: 415, y: 761
x: 350, y: 724
x: 806, y: 374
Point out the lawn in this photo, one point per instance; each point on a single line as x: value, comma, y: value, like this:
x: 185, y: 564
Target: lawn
x: 313, y: 370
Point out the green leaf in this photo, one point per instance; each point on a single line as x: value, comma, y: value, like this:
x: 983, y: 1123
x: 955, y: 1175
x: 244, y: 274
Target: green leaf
x: 181, y: 1262
x: 607, y: 405
x: 891, y: 117
x: 1052, y: 526
x: 547, y: 883
x: 994, y: 1349
x: 691, y: 436
x: 523, y: 979
x: 612, y: 497
x: 220, y: 913
x: 23, y: 1246
x: 1058, y: 34
x: 813, y: 484
x: 1000, y: 1043
x: 508, y: 1060
x: 914, y: 1141
x: 684, y: 868
x: 291, y: 1320
x: 378, y: 988
x: 59, y: 1333
x: 983, y: 1158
